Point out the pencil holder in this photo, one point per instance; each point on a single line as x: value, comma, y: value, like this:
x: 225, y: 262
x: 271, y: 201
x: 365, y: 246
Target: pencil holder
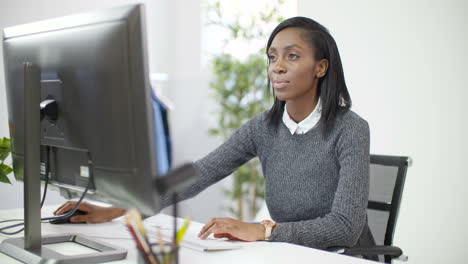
x: 163, y: 255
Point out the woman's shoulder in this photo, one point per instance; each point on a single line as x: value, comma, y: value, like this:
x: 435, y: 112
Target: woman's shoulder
x: 254, y: 125
x: 350, y: 119
x: 351, y: 116
x: 259, y: 120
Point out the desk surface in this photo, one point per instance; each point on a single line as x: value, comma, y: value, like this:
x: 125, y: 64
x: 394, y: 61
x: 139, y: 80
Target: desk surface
x: 116, y: 233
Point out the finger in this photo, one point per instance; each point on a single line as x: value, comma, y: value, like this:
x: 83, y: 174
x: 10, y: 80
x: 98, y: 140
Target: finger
x: 225, y: 235
x: 220, y: 235
x: 216, y: 228
x: 70, y: 205
x: 65, y: 208
x: 231, y: 237
x: 60, y: 207
x: 85, y: 207
x: 98, y: 219
x: 229, y: 228
x: 207, y: 233
x: 228, y: 236
x: 79, y: 219
x: 207, y: 226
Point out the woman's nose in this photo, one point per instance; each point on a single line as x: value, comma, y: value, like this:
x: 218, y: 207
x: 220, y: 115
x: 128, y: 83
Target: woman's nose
x: 279, y: 67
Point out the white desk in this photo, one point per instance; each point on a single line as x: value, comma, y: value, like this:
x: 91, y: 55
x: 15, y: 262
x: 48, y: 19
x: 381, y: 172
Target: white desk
x: 251, y: 252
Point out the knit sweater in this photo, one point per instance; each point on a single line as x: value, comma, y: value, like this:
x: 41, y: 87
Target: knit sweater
x: 316, y: 187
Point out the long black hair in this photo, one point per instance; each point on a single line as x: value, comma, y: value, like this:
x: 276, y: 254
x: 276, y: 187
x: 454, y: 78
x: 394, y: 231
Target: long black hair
x: 332, y: 90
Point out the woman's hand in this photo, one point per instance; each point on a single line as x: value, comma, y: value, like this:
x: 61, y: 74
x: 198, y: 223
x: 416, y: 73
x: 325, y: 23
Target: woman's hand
x: 232, y: 229
x: 94, y: 213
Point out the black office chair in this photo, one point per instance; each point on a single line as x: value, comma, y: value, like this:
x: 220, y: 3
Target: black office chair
x: 387, y: 178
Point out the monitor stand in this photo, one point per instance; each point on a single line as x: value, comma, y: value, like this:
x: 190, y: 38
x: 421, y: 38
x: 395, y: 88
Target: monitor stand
x: 15, y: 248
x: 28, y: 249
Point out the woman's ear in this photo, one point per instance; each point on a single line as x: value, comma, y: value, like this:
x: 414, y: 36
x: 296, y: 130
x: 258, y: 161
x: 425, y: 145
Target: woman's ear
x: 322, y: 67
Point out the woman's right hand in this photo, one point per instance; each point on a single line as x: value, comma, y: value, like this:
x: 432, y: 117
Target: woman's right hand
x: 94, y: 213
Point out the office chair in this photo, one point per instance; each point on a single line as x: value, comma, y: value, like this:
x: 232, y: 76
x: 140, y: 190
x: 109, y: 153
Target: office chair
x: 387, y: 178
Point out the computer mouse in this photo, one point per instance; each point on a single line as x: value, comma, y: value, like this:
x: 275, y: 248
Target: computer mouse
x: 66, y: 220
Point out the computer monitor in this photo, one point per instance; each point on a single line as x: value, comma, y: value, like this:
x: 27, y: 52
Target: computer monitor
x: 91, y: 70
x: 95, y: 66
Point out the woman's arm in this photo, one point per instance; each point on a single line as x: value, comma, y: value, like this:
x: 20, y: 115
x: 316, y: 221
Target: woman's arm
x: 94, y: 213
x: 218, y: 164
x: 221, y: 162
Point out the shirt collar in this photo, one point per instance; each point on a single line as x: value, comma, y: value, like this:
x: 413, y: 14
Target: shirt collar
x: 305, y: 125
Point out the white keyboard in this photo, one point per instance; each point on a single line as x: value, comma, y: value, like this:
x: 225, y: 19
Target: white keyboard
x: 191, y: 241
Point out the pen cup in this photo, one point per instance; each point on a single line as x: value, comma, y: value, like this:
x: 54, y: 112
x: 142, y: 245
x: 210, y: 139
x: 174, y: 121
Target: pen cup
x: 167, y: 258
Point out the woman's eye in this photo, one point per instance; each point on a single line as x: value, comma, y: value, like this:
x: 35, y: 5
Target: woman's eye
x: 293, y: 56
x: 271, y: 57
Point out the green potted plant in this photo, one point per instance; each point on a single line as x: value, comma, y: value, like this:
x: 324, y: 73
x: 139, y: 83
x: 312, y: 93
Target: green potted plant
x: 240, y: 87
x: 5, y: 150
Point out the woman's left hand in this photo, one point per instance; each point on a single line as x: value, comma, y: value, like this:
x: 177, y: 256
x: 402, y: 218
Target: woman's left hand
x: 232, y: 229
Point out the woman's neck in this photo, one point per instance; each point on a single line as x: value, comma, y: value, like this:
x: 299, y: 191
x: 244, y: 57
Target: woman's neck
x: 299, y: 109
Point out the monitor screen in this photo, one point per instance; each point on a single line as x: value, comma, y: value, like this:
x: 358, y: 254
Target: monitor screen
x: 94, y: 66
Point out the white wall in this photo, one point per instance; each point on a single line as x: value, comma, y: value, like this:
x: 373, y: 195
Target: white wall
x: 174, y: 43
x: 194, y: 112
x: 405, y: 64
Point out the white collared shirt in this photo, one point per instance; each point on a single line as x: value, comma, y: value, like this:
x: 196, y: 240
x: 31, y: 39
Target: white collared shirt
x: 305, y: 125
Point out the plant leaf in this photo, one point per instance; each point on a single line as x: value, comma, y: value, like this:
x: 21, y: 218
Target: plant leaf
x: 6, y: 169
x: 5, y: 148
x: 3, y: 176
x: 240, y: 87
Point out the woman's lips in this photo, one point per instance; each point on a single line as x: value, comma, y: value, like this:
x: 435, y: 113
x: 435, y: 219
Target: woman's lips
x: 280, y: 84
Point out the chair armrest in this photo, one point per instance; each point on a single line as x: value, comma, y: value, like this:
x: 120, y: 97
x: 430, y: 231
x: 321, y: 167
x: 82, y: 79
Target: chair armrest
x: 391, y: 251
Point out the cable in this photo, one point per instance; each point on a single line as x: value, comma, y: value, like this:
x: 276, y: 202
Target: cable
x: 68, y: 214
x: 72, y: 211
x: 47, y: 171
x: 11, y: 220
x: 174, y: 211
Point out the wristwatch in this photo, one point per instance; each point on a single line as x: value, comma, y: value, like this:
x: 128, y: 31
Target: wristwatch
x: 269, y: 225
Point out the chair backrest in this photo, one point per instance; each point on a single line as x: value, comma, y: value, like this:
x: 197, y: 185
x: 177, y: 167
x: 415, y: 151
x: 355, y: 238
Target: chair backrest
x: 387, y: 179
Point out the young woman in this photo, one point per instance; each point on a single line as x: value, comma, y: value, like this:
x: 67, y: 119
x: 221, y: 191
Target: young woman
x: 313, y: 149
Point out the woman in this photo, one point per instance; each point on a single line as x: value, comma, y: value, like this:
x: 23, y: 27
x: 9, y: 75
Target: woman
x: 313, y: 149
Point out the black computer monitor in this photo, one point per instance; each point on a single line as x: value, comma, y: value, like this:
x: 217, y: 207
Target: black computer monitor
x: 94, y: 66
x: 99, y: 129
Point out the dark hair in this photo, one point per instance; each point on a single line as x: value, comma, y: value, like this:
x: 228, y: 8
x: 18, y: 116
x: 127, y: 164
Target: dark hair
x: 334, y: 95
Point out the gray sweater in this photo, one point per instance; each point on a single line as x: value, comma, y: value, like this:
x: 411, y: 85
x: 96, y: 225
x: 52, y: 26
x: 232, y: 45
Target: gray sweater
x: 315, y: 187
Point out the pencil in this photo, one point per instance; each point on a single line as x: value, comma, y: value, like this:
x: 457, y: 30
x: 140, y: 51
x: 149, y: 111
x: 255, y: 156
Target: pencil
x: 137, y: 217
x: 140, y: 239
x: 161, y: 246
x: 141, y: 247
x: 183, y: 230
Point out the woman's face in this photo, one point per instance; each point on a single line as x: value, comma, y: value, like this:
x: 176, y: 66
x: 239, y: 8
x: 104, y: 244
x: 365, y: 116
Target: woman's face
x: 293, y: 70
